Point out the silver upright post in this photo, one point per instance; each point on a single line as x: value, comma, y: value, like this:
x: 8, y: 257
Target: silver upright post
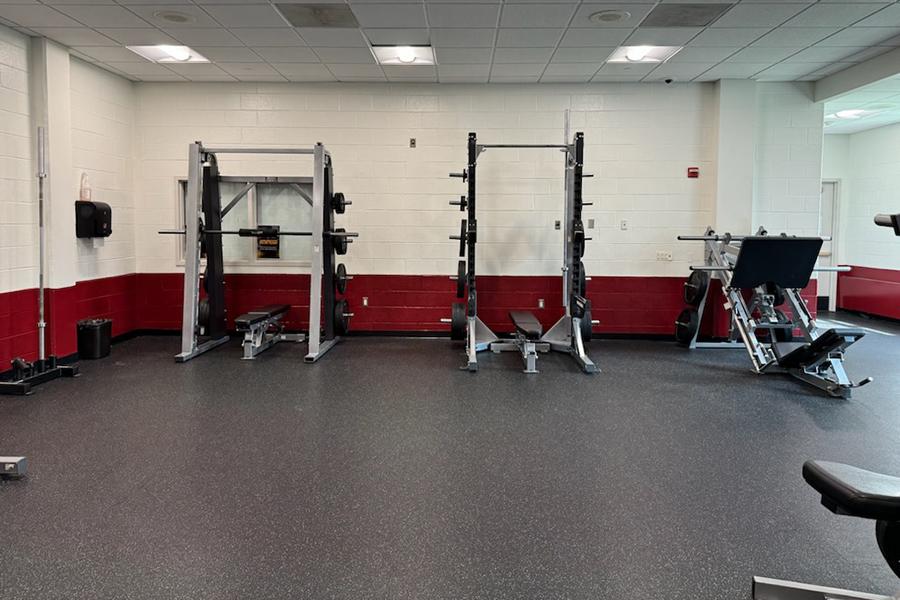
x: 191, y: 298
x: 567, y: 239
x: 42, y: 174
x: 315, y: 273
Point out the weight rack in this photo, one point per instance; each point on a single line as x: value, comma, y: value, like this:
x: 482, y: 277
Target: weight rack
x: 574, y: 328
x: 204, y: 321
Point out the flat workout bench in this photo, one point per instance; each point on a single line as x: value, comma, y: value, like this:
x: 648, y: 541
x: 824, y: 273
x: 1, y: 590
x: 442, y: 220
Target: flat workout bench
x: 528, y: 334
x: 798, y: 355
x: 263, y: 329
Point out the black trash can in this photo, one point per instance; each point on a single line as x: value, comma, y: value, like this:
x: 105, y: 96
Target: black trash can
x: 94, y: 337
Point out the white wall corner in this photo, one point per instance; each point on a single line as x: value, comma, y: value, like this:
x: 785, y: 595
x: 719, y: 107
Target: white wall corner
x: 736, y: 140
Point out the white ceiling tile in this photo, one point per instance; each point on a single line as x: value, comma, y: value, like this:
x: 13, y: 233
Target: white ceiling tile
x: 793, y: 37
x: 192, y: 70
x: 75, y: 36
x: 662, y: 36
x: 287, y: 54
x: 247, y: 71
x: 514, y: 78
x: 536, y: 15
x: 130, y: 3
x: 410, y: 72
x: 582, y: 55
x: 193, y: 16
x: 345, y: 70
x: 204, y: 36
x: 228, y: 54
x: 787, y: 72
x: 548, y: 78
x: 462, y: 15
x: 102, y: 16
x: 358, y: 56
x: 162, y: 77
x: 528, y: 38
x: 860, y: 36
x: 201, y: 2
x: 617, y: 78
x: 636, y: 10
x: 111, y: 54
x: 138, y: 37
x: 269, y: 36
x: 728, y: 70
x: 36, y: 15
x: 508, y: 70
x: 253, y: 15
x: 825, y: 54
x: 600, y: 38
x: 463, y: 56
x: 145, y: 67
x: 579, y: 70
x: 678, y: 72
x: 475, y: 71
x: 728, y: 37
x: 522, y: 55
x: 701, y: 55
x: 834, y: 15
x: 304, y: 72
x: 887, y: 17
x: 627, y: 69
x: 758, y: 14
x: 330, y: 37
x: 464, y: 79
x: 462, y: 38
x: 398, y: 37
x: 390, y: 15
x: 762, y: 55
x: 865, y: 54
x: 56, y: 2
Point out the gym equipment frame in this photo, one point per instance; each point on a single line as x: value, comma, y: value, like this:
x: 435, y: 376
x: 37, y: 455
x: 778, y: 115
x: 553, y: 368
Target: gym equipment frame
x: 573, y: 329
x: 776, y: 269
x: 46, y: 368
x: 203, y: 231
x: 13, y: 467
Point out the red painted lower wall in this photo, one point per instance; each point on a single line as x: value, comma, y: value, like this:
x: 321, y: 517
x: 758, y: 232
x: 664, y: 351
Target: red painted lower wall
x: 870, y: 290
x: 397, y: 303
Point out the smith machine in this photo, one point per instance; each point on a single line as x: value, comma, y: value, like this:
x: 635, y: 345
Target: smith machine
x: 203, y: 320
x: 773, y: 269
x: 573, y: 329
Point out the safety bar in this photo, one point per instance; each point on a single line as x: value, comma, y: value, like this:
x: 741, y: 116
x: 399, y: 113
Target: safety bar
x: 820, y: 269
x: 733, y: 238
x: 561, y: 146
x: 231, y: 150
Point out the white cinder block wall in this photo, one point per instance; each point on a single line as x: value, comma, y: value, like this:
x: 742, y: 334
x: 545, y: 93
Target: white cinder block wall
x: 639, y: 141
x: 103, y: 110
x: 18, y: 206
x: 870, y: 184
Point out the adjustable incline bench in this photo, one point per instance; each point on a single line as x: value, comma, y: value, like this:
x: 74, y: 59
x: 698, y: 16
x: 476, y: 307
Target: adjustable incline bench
x: 527, y: 340
x: 263, y: 329
x: 775, y: 268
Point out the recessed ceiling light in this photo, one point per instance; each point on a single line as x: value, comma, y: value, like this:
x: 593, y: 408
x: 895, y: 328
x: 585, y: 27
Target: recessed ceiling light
x: 853, y: 113
x: 173, y: 16
x: 643, y: 54
x: 609, y: 16
x: 169, y: 54
x: 404, y: 55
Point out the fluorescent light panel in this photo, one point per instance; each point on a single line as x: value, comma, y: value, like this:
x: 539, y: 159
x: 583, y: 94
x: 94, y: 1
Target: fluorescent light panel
x: 643, y: 54
x: 404, y: 55
x: 169, y: 54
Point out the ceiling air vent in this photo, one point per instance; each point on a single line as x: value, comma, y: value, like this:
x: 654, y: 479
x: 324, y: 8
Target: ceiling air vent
x: 318, y: 15
x: 684, y: 15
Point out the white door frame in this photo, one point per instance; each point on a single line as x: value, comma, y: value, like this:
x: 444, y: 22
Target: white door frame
x: 835, y: 239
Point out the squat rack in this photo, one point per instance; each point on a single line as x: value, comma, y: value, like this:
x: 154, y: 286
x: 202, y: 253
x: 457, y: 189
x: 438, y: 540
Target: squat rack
x: 573, y: 329
x: 202, y: 198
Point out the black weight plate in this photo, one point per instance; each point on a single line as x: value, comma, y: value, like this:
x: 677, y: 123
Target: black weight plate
x: 587, y: 328
x: 783, y: 335
x: 341, y: 317
x: 461, y: 279
x: 339, y: 203
x: 458, y: 321
x: 340, y: 242
x: 580, y: 279
x: 695, y: 287
x: 462, y: 237
x: 686, y: 326
x: 776, y: 292
x: 203, y: 313
x: 340, y: 279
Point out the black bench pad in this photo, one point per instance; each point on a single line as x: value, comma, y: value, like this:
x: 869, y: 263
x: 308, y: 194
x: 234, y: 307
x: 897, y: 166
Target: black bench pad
x: 258, y: 315
x: 793, y: 355
x: 856, y: 492
x: 526, y: 324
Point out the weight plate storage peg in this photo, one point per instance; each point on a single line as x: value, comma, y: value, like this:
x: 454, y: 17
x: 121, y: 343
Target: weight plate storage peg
x: 461, y: 279
x: 340, y: 279
x: 342, y: 316
x: 458, y: 321
x: 340, y: 242
x: 462, y: 237
x: 686, y: 326
x: 695, y: 287
x: 339, y: 203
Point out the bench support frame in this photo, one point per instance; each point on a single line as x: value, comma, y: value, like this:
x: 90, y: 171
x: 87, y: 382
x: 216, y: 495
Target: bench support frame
x: 265, y: 334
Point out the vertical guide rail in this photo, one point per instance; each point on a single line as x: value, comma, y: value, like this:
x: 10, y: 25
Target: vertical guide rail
x: 42, y: 174
x: 318, y: 249
x: 567, y: 216
x: 191, y: 292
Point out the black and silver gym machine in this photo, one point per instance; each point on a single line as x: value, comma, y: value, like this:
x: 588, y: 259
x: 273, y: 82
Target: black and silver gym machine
x: 13, y: 467
x: 854, y: 492
x: 573, y: 329
x: 204, y: 323
x: 775, y: 268
x: 26, y: 374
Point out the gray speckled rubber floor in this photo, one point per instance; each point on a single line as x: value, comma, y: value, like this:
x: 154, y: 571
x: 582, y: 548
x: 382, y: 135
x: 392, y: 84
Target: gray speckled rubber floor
x: 384, y: 472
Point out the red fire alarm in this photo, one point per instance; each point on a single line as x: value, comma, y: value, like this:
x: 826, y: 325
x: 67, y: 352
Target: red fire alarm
x: 693, y: 172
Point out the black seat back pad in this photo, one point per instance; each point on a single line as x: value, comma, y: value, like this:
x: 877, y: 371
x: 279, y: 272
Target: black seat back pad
x: 853, y: 491
x: 792, y: 355
x: 526, y: 324
x: 786, y: 261
x: 258, y: 315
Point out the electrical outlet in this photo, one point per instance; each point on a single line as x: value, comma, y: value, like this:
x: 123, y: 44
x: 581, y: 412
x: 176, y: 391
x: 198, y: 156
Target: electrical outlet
x: 590, y: 223
x: 664, y: 255
x: 540, y: 303
x: 557, y: 225
x: 412, y: 142
x: 623, y: 224
x: 365, y: 300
